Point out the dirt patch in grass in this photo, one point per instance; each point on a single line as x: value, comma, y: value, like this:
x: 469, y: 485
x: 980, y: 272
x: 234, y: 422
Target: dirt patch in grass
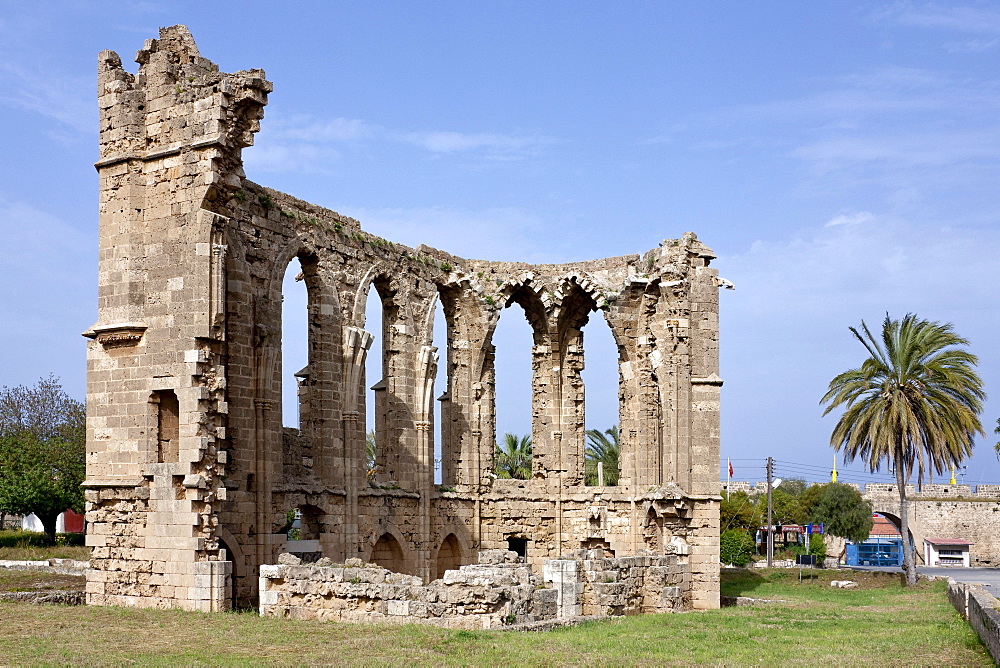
x: 15, y: 581
x: 750, y: 582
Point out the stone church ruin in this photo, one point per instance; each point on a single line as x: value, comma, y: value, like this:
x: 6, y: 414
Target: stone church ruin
x: 190, y: 474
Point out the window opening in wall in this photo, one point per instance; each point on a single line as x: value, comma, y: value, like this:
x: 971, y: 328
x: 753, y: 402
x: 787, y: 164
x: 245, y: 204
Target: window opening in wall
x: 294, y: 344
x: 519, y: 545
x: 373, y: 380
x: 513, y: 340
x: 302, y: 529
x: 441, y: 389
x: 601, y: 383
x: 167, y: 426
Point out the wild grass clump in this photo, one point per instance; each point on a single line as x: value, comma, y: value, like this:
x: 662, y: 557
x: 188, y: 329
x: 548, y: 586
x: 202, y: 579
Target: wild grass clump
x: 19, y: 545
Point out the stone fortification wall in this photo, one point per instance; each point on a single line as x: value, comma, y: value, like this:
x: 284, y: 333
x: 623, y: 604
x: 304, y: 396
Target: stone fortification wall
x: 500, y: 590
x: 978, y: 607
x: 191, y: 475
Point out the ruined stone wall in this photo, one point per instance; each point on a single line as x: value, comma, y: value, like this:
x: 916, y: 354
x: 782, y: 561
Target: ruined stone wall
x: 500, y: 590
x: 191, y: 475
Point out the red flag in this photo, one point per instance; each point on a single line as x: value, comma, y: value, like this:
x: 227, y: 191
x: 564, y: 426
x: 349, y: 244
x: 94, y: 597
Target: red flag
x: 730, y: 467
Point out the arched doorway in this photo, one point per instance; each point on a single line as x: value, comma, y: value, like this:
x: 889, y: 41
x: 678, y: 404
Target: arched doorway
x: 388, y: 553
x: 449, y: 555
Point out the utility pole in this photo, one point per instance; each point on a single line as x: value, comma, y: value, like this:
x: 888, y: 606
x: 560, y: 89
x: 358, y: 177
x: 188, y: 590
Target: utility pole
x: 770, y: 531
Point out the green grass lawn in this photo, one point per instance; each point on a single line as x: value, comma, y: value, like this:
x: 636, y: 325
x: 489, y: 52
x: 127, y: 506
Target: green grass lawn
x: 880, y: 623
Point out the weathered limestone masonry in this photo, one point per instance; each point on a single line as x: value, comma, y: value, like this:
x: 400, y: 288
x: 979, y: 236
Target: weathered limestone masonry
x: 499, y: 591
x: 190, y: 474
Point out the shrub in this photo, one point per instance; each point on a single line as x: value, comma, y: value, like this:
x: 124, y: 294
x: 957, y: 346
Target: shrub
x: 736, y: 548
x: 817, y: 546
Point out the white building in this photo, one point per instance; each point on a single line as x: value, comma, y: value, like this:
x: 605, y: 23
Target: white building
x: 946, y: 552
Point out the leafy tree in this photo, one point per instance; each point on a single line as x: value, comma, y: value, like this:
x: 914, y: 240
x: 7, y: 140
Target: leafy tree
x: 513, y: 457
x: 736, y: 548
x: 740, y: 511
x: 794, y: 486
x: 42, y: 452
x: 843, y: 510
x: 603, y: 447
x: 808, y: 499
x: 785, y: 508
x: 915, y: 401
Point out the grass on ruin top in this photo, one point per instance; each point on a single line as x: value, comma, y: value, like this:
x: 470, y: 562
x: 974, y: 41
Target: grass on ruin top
x: 881, y: 623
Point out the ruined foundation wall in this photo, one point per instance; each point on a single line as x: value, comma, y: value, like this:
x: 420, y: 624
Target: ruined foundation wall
x: 500, y: 590
x: 191, y: 475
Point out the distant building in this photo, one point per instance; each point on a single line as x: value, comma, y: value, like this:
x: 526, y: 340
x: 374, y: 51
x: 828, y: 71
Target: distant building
x: 67, y: 522
x: 884, y: 546
x: 946, y: 552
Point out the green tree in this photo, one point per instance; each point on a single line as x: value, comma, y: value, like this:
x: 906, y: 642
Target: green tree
x: 513, y: 457
x: 808, y: 499
x: 914, y: 402
x: 602, y: 447
x: 42, y: 452
x: 741, y: 511
x: 736, y: 548
x: 794, y: 486
x: 785, y: 508
x: 843, y: 510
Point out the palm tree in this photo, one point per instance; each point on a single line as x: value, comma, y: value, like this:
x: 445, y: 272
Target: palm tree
x: 602, y: 446
x: 513, y: 457
x: 370, y: 448
x: 915, y: 401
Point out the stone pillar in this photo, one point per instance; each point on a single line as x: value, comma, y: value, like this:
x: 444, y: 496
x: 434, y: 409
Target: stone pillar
x: 564, y: 576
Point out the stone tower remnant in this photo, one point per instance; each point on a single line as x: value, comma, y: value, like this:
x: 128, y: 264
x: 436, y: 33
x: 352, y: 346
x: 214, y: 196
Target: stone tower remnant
x: 190, y: 474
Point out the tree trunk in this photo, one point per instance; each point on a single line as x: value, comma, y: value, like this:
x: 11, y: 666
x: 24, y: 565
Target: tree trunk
x: 48, y: 521
x: 909, y: 559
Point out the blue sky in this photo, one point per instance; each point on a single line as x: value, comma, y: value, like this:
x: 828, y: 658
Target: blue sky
x: 842, y: 159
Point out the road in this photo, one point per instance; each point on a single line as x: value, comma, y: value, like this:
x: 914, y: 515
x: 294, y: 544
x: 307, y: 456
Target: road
x: 989, y: 577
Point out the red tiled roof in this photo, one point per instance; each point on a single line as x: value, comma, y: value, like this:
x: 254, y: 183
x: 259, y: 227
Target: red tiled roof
x: 881, y: 526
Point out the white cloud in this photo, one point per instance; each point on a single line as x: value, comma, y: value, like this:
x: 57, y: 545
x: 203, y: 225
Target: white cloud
x: 303, y: 143
x: 491, y: 143
x: 972, y: 45
x: 302, y: 127
x: 268, y: 155
x: 856, y: 218
x: 489, y: 234
x: 956, y: 18
x: 65, y: 99
x: 914, y: 149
